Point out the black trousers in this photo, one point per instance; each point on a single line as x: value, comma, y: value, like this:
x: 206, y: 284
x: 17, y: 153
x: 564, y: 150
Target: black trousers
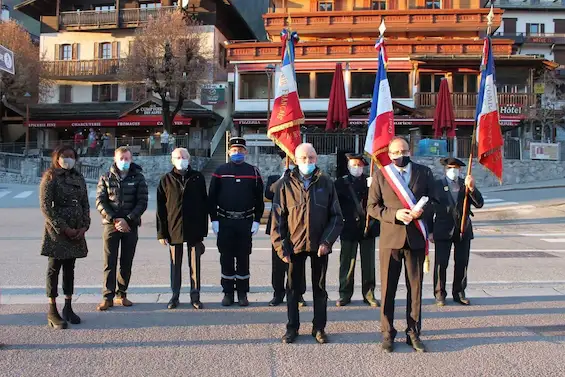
x: 234, y: 243
x: 296, y: 286
x: 53, y: 268
x: 391, y: 267
x: 347, y: 259
x: 278, y: 272
x: 194, y: 254
x: 112, y: 240
x: 461, y: 256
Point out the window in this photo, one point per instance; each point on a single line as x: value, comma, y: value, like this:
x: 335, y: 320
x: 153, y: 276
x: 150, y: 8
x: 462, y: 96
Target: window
x: 323, y: 84
x: 253, y: 85
x: 535, y: 29
x: 399, y: 84
x: 378, y: 5
x: 433, y: 4
x: 106, y: 50
x: 222, y: 56
x: 105, y: 8
x: 136, y: 93
x: 362, y: 84
x: 150, y: 5
x: 429, y: 82
x: 65, y: 93
x: 66, y: 52
x: 325, y: 6
x: 105, y: 93
x: 464, y: 83
x: 303, y: 84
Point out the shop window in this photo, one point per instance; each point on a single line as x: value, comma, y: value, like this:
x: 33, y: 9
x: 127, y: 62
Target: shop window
x: 65, y: 93
x: 325, y: 6
x: 324, y: 84
x: 253, y: 85
x: 378, y: 5
x: 105, y: 93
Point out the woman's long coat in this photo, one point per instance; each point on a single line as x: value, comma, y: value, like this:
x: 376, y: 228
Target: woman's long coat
x: 64, y: 203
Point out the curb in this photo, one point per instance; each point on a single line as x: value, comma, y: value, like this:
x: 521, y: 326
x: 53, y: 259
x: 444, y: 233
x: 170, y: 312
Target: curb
x: 496, y: 189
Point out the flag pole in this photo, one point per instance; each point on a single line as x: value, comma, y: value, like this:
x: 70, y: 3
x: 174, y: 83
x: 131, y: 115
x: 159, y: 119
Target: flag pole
x: 490, y: 18
x: 382, y: 30
x: 289, y: 22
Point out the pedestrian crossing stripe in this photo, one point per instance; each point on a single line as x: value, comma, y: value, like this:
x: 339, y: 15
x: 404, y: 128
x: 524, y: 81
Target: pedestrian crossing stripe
x: 4, y: 193
x: 23, y: 195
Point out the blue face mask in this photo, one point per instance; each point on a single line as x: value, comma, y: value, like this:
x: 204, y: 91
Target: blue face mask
x: 306, y: 169
x: 123, y: 165
x: 237, y: 157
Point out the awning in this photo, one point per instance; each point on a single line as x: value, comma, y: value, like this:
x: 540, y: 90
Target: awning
x: 126, y: 121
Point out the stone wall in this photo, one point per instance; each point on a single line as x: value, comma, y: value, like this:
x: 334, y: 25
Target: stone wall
x: 153, y: 166
x: 515, y: 171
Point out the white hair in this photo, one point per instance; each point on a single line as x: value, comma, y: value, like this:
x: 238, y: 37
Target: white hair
x: 181, y: 150
x: 308, y: 147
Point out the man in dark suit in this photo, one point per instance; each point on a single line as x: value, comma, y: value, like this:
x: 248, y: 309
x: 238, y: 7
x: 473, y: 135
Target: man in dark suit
x: 279, y: 268
x: 352, y: 192
x: 401, y: 239
x: 450, y: 197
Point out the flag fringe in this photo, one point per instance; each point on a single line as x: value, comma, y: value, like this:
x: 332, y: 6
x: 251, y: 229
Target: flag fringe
x: 284, y: 126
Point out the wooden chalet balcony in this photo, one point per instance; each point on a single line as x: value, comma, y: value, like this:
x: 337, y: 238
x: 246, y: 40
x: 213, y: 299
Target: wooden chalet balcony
x: 92, y: 19
x: 464, y: 104
x: 368, y: 21
x: 366, y: 49
x: 89, y: 69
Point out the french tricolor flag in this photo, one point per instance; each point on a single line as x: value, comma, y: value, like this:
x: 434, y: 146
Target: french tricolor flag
x: 381, y: 118
x: 488, y: 132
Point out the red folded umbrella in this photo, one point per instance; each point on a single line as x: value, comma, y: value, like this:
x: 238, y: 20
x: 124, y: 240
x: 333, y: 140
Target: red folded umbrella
x: 444, y: 118
x: 338, y: 114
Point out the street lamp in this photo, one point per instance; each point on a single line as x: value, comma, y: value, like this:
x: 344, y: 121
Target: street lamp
x: 269, y: 69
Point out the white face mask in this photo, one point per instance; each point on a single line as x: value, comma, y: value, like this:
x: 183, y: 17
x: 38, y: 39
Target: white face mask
x: 356, y: 171
x: 66, y: 163
x: 452, y: 173
x: 181, y: 164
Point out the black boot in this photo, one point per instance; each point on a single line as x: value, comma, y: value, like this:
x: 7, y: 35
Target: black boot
x: 228, y: 299
x: 68, y: 314
x: 54, y: 319
x: 242, y: 299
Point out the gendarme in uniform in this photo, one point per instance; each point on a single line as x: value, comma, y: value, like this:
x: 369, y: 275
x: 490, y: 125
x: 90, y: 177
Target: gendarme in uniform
x: 236, y: 208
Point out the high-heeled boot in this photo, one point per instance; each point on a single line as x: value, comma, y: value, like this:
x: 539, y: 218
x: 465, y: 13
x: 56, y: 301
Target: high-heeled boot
x: 68, y: 313
x: 54, y: 319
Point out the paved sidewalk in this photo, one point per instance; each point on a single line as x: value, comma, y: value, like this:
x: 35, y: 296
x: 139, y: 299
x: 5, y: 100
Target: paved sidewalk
x: 553, y: 183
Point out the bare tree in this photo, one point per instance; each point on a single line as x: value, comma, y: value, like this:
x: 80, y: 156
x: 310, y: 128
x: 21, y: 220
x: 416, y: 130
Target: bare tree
x: 29, y: 74
x: 170, y: 55
x: 550, y: 110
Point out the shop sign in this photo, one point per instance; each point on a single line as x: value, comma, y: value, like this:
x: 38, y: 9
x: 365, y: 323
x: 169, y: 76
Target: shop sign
x: 213, y: 94
x: 544, y: 151
x: 149, y: 110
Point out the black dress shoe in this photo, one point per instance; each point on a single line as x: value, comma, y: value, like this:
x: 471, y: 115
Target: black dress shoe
x: 276, y: 301
x: 320, y: 336
x: 289, y: 336
x: 460, y: 298
x: 440, y: 301
x: 301, y: 302
x: 173, y: 303
x: 414, y: 341
x: 242, y: 299
x: 228, y: 299
x: 388, y: 345
x: 371, y: 301
x: 343, y: 302
x: 196, y: 304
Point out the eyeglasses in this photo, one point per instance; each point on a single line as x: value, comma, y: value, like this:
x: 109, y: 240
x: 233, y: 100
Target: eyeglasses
x: 399, y: 153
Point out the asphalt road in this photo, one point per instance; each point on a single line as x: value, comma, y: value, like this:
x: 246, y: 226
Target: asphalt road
x: 515, y: 326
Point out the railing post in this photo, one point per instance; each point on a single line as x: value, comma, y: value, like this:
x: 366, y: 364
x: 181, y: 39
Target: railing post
x: 357, y: 143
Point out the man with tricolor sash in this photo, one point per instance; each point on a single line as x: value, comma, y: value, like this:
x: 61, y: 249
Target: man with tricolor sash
x: 397, y: 195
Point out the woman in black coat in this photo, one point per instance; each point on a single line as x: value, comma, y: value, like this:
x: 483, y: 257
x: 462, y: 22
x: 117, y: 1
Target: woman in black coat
x: 64, y: 203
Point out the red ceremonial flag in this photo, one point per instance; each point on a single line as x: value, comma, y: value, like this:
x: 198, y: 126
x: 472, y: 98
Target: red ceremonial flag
x: 287, y: 115
x: 489, y: 134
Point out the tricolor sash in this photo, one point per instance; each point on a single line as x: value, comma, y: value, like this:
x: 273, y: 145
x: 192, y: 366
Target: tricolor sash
x: 403, y: 192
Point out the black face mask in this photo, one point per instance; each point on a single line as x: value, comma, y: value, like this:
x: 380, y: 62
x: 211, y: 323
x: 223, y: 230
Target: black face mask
x: 401, y: 161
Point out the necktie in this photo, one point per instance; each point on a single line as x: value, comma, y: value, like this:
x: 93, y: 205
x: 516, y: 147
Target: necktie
x: 403, y: 174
